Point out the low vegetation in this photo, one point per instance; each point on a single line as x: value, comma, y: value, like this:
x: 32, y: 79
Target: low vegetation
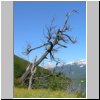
x: 42, y: 79
x: 45, y: 85
x: 41, y: 93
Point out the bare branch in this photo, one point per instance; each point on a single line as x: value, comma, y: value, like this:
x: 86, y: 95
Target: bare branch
x: 72, y: 40
x: 54, y: 50
x: 50, y: 31
x: 63, y: 39
x: 52, y: 22
x: 39, y: 46
x: 49, y: 34
x: 62, y: 45
x: 66, y: 21
x: 28, y: 50
x: 58, y: 48
x: 57, y: 61
x: 52, y: 56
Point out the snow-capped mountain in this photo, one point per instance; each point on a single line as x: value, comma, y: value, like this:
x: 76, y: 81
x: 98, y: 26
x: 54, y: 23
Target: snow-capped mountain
x: 74, y: 69
x: 49, y: 65
x: 77, y: 62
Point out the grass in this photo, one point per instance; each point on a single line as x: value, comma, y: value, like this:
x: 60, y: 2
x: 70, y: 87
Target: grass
x: 41, y: 93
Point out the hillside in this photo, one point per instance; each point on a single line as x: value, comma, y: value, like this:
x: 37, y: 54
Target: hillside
x: 20, y: 66
x: 43, y: 77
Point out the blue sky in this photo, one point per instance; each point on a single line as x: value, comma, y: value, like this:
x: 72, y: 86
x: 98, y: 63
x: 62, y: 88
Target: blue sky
x: 30, y: 19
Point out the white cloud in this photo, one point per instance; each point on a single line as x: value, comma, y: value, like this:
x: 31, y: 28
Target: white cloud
x: 82, y: 61
x: 48, y: 65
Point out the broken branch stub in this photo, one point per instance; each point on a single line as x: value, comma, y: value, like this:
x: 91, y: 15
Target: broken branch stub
x: 33, y: 70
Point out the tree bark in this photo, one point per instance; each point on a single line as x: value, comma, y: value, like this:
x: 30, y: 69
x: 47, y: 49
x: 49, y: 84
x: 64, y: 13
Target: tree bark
x: 31, y: 78
x: 33, y: 70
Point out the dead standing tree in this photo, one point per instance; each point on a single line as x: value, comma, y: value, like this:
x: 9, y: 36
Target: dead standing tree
x: 54, y: 37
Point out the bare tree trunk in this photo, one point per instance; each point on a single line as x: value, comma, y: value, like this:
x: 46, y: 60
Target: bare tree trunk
x: 31, y: 78
x: 33, y: 70
x: 28, y: 70
x: 26, y: 73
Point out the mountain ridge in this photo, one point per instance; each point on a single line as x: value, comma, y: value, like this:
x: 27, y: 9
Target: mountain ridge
x: 74, y: 69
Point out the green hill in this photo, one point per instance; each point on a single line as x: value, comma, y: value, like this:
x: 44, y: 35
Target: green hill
x: 20, y: 66
x: 42, y: 79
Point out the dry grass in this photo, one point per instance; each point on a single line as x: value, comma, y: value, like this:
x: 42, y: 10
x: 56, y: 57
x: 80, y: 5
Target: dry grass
x: 41, y: 93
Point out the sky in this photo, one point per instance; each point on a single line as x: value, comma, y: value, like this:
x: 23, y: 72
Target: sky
x: 30, y: 19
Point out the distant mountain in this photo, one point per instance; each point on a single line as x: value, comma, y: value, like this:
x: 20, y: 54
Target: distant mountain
x: 74, y: 70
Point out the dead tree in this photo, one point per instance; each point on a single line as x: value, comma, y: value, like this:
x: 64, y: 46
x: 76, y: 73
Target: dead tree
x: 55, y: 37
x: 33, y: 70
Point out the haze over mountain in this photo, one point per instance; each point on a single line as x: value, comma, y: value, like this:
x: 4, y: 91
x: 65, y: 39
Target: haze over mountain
x: 74, y: 69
